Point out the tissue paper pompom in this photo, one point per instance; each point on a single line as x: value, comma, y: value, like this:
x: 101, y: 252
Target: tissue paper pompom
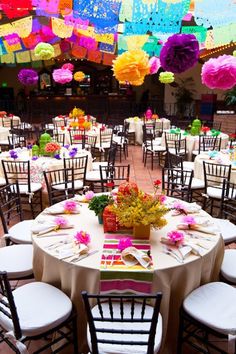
x: 68, y: 66
x: 62, y: 76
x: 179, y: 53
x: 28, y: 77
x: 79, y: 76
x: 219, y: 73
x: 131, y: 66
x: 44, y: 51
x: 154, y: 64
x: 166, y: 77
x: 234, y: 53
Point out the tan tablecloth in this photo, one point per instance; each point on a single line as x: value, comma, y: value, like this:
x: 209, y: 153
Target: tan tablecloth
x: 222, y: 158
x: 192, y: 142
x: 136, y: 125
x: 175, y: 280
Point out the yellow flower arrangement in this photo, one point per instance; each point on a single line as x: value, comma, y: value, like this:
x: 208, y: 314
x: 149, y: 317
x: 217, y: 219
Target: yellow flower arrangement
x: 131, y: 66
x: 138, y: 208
x: 76, y: 112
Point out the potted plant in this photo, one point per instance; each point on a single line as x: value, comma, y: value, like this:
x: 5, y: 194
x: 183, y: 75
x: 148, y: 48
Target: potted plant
x: 230, y: 97
x: 184, y: 95
x: 98, y: 204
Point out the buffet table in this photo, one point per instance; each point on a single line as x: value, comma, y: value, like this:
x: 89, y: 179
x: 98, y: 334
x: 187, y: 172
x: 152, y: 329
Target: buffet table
x: 136, y: 125
x: 175, y: 280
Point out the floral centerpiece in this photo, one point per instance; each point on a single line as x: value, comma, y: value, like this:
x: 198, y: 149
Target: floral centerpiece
x: 52, y: 148
x: 137, y: 209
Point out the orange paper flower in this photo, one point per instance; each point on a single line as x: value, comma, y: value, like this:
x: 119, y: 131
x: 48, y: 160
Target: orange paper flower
x: 79, y: 76
x: 131, y: 66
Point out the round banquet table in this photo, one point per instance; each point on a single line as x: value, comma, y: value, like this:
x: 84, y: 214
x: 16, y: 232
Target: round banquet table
x: 221, y: 158
x: 43, y: 163
x: 136, y: 125
x: 192, y: 142
x: 94, y: 131
x: 175, y: 280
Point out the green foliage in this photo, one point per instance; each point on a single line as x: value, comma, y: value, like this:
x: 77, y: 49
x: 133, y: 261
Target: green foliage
x: 230, y: 97
x: 98, y: 203
x: 184, y: 95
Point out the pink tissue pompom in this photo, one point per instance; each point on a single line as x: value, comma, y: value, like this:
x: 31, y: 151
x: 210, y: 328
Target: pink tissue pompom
x: 68, y: 66
x: 154, y: 64
x: 62, y: 76
x: 220, y: 73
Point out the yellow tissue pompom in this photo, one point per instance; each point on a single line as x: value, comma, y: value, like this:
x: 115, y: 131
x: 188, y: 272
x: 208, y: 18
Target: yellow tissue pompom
x: 131, y: 66
x: 166, y: 77
x: 79, y: 76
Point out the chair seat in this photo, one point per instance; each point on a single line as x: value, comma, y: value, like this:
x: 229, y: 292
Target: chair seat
x: 21, y: 232
x: 40, y: 307
x: 215, y: 193
x: 77, y: 185
x: 212, y: 305
x: 197, y: 184
x: 156, y: 148
x: 228, y: 266
x: 96, y: 165
x: 17, y: 260
x: 125, y: 349
x: 34, y: 187
x: 103, y: 146
x: 227, y: 229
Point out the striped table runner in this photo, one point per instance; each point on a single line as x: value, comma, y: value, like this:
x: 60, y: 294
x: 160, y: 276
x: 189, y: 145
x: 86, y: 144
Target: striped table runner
x: 116, y: 277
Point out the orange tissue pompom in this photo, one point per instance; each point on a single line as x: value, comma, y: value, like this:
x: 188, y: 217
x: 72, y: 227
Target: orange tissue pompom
x: 131, y: 66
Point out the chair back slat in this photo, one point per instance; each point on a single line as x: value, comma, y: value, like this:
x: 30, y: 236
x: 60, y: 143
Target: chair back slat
x: 207, y: 143
x: 215, y: 174
x: 228, y: 201
x: 118, y: 309
x: 112, y: 176
x: 17, y: 171
x: 177, y: 183
x: 79, y: 165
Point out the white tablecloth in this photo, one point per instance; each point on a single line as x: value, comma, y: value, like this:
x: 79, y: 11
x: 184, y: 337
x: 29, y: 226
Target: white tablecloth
x: 136, y: 125
x: 173, y: 279
x: 7, y: 121
x: 4, y: 133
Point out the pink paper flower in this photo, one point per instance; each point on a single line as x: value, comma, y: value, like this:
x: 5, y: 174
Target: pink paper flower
x: 89, y: 195
x: 124, y: 243
x: 176, y: 236
x: 70, y: 206
x: 61, y: 222
x: 162, y: 198
x: 68, y: 66
x: 62, y: 76
x: 154, y: 64
x: 82, y: 237
x: 189, y: 220
x: 219, y: 73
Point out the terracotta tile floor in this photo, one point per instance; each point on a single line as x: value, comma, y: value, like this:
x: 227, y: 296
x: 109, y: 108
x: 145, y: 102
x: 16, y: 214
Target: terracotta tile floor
x: 144, y: 177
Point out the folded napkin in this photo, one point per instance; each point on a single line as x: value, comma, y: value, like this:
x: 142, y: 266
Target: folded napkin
x: 63, y: 208
x: 202, y: 225
x: 70, y: 250
x: 190, y: 208
x: 42, y: 227
x: 132, y: 256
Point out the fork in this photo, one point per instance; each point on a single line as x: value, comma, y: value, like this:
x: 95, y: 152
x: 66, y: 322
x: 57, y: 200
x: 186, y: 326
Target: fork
x: 169, y: 251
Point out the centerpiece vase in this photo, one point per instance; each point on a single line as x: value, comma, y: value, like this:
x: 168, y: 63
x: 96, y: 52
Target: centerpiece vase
x: 100, y: 218
x: 141, y: 231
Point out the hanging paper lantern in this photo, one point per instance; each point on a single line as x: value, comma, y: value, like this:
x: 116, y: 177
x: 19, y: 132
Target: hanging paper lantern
x: 166, y: 77
x: 44, y: 51
x: 131, y: 66
x: 68, y: 66
x: 154, y: 64
x: 179, y: 53
x: 62, y: 76
x: 28, y: 77
x: 220, y: 73
x: 79, y: 76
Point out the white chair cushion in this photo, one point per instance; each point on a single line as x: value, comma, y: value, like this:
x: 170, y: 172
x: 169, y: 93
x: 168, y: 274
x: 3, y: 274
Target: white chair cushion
x: 156, y: 148
x: 97, y: 164
x: 34, y: 187
x: 77, y: 185
x: 197, y: 184
x: 211, y: 305
x: 103, y: 145
x: 17, y: 260
x: 188, y: 165
x: 157, y: 141
x: 21, y: 232
x: 214, y: 192
x: 40, y: 307
x: 94, y: 176
x: 195, y: 152
x: 228, y: 266
x: 227, y: 229
x: 125, y: 349
x: 2, y: 181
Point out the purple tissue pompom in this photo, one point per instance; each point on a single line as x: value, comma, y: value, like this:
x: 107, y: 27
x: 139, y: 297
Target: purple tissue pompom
x: 28, y: 77
x: 179, y: 53
x: 220, y: 73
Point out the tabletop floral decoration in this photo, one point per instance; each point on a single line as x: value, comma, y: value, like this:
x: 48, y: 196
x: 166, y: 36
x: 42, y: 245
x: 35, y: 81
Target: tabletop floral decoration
x: 176, y: 237
x: 13, y: 154
x: 205, y: 130
x: 60, y: 222
x: 179, y: 208
x: 70, y: 206
x: 34, y: 158
x: 189, y: 221
x: 52, y: 147
x: 73, y: 152
x: 124, y: 243
x: 89, y: 195
x: 82, y: 237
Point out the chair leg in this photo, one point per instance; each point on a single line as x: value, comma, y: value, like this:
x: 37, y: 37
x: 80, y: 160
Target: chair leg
x: 75, y: 340
x: 180, y: 334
